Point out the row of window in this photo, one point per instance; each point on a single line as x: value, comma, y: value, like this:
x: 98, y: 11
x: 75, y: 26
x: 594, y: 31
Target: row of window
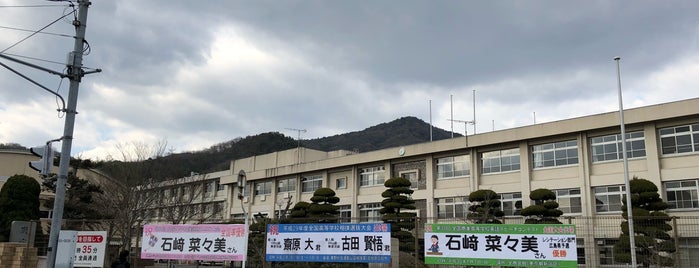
x: 308, y: 185
x: 569, y: 201
x: 673, y: 140
x: 680, y: 195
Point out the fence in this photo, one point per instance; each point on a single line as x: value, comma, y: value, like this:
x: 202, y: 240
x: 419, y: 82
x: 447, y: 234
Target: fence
x: 596, y: 237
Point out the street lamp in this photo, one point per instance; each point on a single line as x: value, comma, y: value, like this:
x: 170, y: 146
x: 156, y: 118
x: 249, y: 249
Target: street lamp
x: 629, y: 209
x: 242, y: 180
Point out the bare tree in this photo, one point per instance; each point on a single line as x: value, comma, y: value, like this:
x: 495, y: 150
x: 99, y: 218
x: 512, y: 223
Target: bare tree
x: 186, y: 200
x: 123, y: 200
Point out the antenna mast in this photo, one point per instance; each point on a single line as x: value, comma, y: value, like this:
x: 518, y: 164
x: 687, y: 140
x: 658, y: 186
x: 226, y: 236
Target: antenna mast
x: 298, y: 142
x: 465, y: 126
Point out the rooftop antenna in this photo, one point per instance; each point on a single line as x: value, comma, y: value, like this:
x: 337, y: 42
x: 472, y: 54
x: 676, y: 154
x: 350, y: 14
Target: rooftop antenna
x: 474, y: 112
x: 465, y: 126
x: 534, y: 118
x: 298, y: 142
x: 451, y: 101
x: 430, y: 120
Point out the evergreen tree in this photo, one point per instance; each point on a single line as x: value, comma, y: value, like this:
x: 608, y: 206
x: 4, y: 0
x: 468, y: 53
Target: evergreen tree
x: 323, y: 208
x: 485, y: 207
x: 79, y: 197
x: 544, y: 209
x: 654, y: 246
x: 397, y: 197
x: 299, y: 213
x: 19, y: 201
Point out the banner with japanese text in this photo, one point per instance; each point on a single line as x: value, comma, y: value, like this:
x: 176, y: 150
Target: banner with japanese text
x: 90, y: 248
x: 205, y: 242
x: 520, y: 245
x: 365, y: 243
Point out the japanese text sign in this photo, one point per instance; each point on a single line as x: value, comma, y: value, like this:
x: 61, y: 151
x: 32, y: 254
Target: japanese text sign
x: 365, y: 243
x: 206, y: 242
x: 90, y: 248
x: 520, y: 245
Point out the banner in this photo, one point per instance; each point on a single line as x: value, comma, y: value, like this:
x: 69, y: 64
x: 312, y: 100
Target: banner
x: 90, y: 248
x: 520, y: 245
x: 205, y: 242
x: 329, y: 242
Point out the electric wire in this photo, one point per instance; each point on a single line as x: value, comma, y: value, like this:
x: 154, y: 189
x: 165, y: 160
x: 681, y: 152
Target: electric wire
x: 36, y: 59
x: 10, y: 6
x: 26, y: 30
x: 61, y: 112
x: 37, y: 84
x: 35, y: 32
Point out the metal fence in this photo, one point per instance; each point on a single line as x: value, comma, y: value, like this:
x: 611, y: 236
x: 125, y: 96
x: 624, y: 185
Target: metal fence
x: 596, y: 237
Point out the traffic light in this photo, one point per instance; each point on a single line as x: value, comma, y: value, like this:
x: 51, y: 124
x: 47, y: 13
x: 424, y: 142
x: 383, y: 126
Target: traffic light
x: 45, y: 163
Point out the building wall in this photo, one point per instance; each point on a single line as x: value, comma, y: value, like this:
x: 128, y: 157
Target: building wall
x: 584, y: 175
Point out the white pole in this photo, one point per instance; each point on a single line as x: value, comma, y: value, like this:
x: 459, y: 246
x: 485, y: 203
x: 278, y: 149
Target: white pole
x: 430, y: 120
x: 451, y: 101
x: 629, y: 209
x: 474, y: 111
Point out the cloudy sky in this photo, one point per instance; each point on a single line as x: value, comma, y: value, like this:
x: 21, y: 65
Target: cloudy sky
x: 196, y: 73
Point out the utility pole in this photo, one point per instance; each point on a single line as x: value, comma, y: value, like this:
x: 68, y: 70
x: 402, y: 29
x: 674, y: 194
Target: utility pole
x: 74, y: 74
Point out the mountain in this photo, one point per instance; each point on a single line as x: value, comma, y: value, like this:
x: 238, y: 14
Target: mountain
x: 400, y: 132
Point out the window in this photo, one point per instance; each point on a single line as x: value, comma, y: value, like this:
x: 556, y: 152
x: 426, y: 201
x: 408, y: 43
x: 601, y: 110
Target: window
x: 453, y: 166
x: 218, y: 208
x: 609, y: 198
x: 369, y: 212
x: 511, y: 203
x: 311, y: 183
x: 581, y: 250
x: 264, y: 187
x: 219, y: 186
x: 412, y: 176
x: 371, y: 176
x: 286, y: 185
x: 501, y: 161
x: 208, y: 189
x: 555, y: 154
x: 345, y: 213
x: 682, y: 194
x: 605, y: 247
x: 608, y: 148
x: 680, y: 139
x: 452, y: 207
x: 341, y: 183
x: 689, y: 252
x: 569, y: 200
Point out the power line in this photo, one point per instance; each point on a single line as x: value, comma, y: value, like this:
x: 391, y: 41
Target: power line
x: 34, y: 6
x: 36, y: 59
x: 35, y: 32
x: 26, y: 30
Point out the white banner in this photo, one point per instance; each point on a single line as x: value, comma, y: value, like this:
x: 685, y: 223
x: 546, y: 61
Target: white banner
x: 205, y: 242
x: 329, y: 242
x: 90, y: 248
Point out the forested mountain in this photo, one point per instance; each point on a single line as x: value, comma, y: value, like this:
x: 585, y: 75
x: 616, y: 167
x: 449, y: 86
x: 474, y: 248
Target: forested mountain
x: 402, y: 131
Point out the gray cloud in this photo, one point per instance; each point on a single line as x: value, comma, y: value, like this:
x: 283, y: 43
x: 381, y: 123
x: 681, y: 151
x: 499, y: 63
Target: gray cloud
x: 202, y: 73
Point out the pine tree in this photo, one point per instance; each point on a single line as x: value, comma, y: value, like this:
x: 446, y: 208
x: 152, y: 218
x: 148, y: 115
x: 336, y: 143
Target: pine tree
x: 323, y: 208
x: 19, y: 201
x: 397, y: 197
x: 485, y: 207
x: 654, y: 246
x: 544, y: 209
